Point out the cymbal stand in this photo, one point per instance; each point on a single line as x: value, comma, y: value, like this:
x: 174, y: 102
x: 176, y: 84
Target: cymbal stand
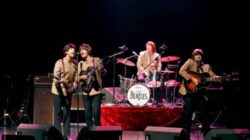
x: 114, y: 71
x: 125, y: 66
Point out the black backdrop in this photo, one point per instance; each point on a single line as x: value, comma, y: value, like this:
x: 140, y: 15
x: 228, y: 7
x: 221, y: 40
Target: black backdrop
x: 34, y: 33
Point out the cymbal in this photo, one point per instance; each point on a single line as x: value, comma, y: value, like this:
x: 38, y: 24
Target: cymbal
x: 167, y: 71
x: 171, y: 83
x: 125, y: 62
x: 169, y: 58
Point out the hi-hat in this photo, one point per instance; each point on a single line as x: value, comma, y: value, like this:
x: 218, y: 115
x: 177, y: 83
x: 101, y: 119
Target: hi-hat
x: 169, y: 58
x: 125, y: 62
x: 167, y: 71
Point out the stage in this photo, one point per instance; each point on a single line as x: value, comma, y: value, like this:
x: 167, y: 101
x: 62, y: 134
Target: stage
x: 138, y: 118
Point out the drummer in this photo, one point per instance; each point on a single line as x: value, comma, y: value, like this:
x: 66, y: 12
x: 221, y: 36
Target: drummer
x: 145, y: 58
x: 155, y: 83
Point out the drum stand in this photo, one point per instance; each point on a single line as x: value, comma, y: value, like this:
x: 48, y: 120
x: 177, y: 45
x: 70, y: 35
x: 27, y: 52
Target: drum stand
x: 169, y: 93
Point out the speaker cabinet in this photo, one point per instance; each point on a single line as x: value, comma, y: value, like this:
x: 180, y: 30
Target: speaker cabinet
x: 100, y: 133
x: 43, y: 105
x: 165, y: 133
x: 38, y: 131
x: 17, y: 137
x: 228, y: 134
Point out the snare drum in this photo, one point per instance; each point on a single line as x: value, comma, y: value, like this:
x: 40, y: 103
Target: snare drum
x: 138, y: 95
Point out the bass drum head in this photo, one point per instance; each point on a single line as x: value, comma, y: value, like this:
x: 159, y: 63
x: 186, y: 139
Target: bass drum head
x: 138, y: 95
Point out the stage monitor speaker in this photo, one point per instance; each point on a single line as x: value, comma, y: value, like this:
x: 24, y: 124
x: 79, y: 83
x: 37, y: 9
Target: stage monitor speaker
x: 38, y: 131
x: 17, y: 137
x: 43, y: 101
x: 100, y: 133
x: 165, y: 133
x: 54, y: 134
x: 228, y: 134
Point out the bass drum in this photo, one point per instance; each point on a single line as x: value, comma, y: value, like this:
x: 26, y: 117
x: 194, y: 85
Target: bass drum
x: 138, y: 95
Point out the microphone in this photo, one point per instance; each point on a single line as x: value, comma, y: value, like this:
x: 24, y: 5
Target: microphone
x: 80, y: 67
x: 123, y: 47
x: 163, y: 47
x: 77, y: 53
x: 135, y: 53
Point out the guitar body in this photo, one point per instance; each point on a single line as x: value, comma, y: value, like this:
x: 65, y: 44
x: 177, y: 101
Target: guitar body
x: 62, y: 87
x: 190, y: 86
x: 87, y: 83
x: 204, y: 80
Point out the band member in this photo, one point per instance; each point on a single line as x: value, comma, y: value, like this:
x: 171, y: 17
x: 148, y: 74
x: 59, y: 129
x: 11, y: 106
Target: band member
x: 62, y: 87
x: 192, y: 95
x: 90, y: 72
x: 145, y: 58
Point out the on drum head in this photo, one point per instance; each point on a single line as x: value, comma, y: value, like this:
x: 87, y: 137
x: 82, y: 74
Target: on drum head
x: 138, y: 95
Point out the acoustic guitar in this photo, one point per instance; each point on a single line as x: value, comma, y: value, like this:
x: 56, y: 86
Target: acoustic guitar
x: 204, y: 80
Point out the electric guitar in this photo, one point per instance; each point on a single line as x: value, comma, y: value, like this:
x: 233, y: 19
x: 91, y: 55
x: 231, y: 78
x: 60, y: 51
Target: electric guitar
x: 86, y: 84
x: 64, y: 88
x: 203, y: 80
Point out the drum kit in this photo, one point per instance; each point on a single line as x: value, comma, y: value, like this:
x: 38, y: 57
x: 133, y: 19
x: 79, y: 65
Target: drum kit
x: 138, y: 91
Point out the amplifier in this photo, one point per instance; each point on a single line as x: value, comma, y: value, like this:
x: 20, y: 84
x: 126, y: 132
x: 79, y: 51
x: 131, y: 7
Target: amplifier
x: 42, y: 81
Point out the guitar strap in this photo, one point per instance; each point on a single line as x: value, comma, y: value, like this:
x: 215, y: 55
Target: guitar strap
x: 63, y: 67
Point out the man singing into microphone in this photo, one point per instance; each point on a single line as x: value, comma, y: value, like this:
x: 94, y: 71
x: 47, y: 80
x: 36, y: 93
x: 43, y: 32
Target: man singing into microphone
x: 193, y: 98
x: 62, y: 87
x: 145, y: 58
x: 90, y: 72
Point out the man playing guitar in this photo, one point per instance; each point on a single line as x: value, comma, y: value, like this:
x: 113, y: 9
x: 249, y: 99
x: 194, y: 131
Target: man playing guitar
x: 63, y: 79
x: 192, y: 97
x: 90, y: 72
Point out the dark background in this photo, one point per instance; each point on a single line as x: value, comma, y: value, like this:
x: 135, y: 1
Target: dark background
x: 33, y: 35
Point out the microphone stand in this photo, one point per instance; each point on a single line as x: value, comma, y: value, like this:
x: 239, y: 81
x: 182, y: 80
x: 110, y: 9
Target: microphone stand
x: 6, y: 115
x: 77, y: 94
x: 24, y: 109
x: 114, y: 71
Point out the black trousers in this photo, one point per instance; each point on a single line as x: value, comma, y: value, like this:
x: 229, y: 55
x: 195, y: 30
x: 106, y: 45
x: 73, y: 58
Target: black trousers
x: 195, y: 102
x: 92, y: 107
x: 62, y: 106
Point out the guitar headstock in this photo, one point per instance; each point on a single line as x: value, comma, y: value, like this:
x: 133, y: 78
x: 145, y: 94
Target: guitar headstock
x: 50, y: 75
x: 232, y: 77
